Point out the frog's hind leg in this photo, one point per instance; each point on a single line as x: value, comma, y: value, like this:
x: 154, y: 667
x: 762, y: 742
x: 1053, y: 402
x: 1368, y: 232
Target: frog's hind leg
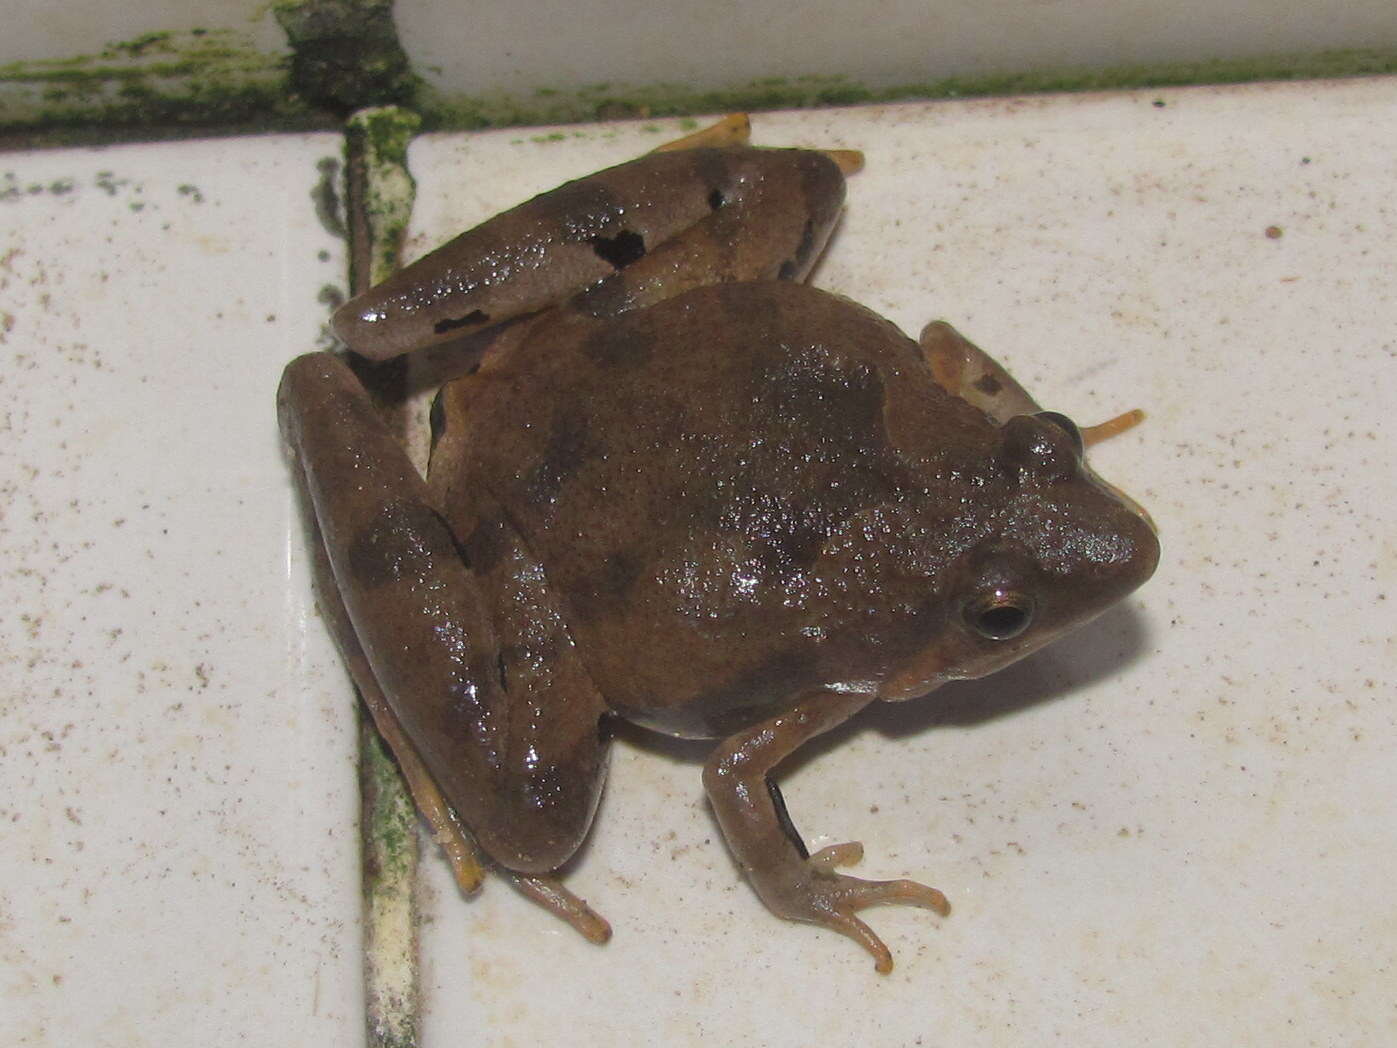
x: 453, y: 838
x: 770, y: 214
x: 632, y: 234
x: 492, y: 733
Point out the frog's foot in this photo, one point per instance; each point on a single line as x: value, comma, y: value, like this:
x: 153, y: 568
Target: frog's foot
x: 548, y: 892
x: 1112, y: 427
x: 964, y: 369
x: 818, y: 895
x: 735, y: 129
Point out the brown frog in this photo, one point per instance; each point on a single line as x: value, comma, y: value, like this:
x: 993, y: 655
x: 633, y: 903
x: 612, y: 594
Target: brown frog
x: 684, y: 489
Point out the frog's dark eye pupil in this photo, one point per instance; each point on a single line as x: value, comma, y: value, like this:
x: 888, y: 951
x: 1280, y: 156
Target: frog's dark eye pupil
x: 1000, y: 616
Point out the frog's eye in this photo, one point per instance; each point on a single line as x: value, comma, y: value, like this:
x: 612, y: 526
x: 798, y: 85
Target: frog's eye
x: 1000, y: 614
x: 1065, y: 424
x: 1044, y: 446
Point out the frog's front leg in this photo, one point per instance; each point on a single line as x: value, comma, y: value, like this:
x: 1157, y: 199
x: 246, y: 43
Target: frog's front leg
x: 790, y: 882
x: 418, y: 626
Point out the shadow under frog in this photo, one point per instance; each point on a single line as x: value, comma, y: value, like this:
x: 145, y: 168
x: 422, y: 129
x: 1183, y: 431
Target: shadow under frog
x: 1051, y: 675
x: 684, y: 490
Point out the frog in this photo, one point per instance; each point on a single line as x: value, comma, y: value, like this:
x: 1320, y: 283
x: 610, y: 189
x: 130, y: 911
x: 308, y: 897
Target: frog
x: 680, y: 487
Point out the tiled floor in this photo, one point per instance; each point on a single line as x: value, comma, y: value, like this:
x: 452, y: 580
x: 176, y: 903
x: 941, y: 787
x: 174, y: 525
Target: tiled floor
x: 1173, y: 828
x: 180, y: 852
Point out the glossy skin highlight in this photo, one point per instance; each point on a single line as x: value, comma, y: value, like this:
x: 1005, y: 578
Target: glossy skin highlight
x: 687, y: 490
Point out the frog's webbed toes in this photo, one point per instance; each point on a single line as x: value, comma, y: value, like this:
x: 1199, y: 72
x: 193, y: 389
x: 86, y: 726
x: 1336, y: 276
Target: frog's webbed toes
x: 822, y: 896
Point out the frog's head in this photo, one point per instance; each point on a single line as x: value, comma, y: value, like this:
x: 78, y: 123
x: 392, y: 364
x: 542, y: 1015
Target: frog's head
x: 1059, y: 547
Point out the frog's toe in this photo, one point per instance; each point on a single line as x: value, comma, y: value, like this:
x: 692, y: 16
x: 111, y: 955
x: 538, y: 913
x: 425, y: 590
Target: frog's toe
x: 548, y: 891
x: 873, y: 893
x: 735, y: 129
x: 903, y: 893
x: 832, y: 899
x: 850, y: 853
x: 849, y: 925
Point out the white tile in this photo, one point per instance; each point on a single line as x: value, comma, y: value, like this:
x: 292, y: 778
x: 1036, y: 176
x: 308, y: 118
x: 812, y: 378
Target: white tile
x: 176, y: 744
x: 1176, y: 830
x: 604, y: 46
x: 37, y: 31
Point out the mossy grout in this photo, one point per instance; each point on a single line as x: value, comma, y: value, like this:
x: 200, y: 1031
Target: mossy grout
x: 206, y: 82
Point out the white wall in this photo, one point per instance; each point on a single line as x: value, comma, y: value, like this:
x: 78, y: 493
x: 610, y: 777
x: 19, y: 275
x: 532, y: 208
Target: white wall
x: 489, y: 49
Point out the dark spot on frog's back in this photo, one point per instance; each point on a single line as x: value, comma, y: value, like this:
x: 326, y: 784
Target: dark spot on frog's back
x: 608, y: 587
x: 837, y: 403
x: 620, y: 346
x: 618, y: 574
x: 792, y: 549
x: 570, y: 446
x: 485, y: 546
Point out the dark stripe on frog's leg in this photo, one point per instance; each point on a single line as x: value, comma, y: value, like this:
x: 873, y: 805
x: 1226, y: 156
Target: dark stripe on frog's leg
x: 799, y: 263
x: 484, y: 546
x: 775, y: 211
x: 621, y: 250
x: 475, y: 318
x: 373, y: 558
x: 532, y: 256
x: 783, y: 816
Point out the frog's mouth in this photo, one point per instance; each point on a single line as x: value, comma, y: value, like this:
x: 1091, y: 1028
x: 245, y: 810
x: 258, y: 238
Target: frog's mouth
x: 939, y: 663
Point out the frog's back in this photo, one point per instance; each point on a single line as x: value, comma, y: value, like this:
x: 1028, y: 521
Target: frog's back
x: 679, y: 470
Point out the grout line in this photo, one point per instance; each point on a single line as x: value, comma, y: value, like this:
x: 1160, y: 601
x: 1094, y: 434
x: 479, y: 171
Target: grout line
x: 379, y: 194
